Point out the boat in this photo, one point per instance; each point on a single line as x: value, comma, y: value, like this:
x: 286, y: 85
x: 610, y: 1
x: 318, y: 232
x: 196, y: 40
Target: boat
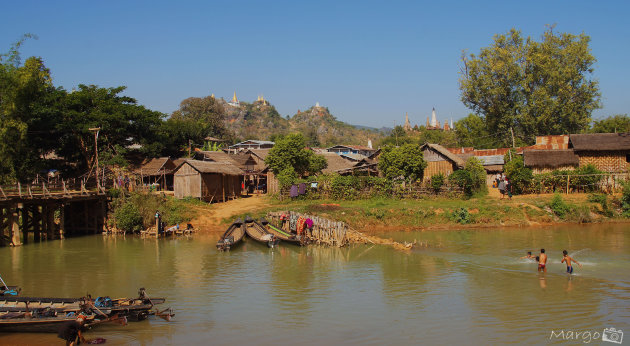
x: 136, y: 309
x: 22, y: 322
x: 259, y: 233
x: 232, y: 236
x: 282, y: 235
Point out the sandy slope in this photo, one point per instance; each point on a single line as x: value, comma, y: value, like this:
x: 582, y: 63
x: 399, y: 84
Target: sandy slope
x: 209, y: 217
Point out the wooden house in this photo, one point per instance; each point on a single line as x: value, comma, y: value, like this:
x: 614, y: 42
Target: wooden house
x: 158, y: 171
x: 440, y: 160
x: 609, y: 152
x: 208, y: 181
x: 351, y: 149
x: 544, y: 161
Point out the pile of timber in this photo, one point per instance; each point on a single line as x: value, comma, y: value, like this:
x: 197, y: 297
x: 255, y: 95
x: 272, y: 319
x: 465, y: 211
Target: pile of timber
x: 335, y: 233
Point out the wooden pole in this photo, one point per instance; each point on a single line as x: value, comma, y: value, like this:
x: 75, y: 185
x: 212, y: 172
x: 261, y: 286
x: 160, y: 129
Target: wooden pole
x: 567, y: 184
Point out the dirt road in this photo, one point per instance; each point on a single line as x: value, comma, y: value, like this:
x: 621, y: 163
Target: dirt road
x: 209, y: 217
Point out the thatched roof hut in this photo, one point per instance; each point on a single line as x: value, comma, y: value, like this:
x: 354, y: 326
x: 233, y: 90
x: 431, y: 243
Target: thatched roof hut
x: 600, y: 141
x: 541, y: 161
x: 440, y: 160
x: 158, y: 171
x: 336, y: 163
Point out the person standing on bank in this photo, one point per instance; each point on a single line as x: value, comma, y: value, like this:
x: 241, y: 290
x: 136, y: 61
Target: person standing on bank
x: 502, y: 188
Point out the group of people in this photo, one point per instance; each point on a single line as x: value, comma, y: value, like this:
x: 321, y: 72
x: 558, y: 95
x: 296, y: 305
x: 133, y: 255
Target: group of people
x: 542, y: 260
x: 504, y: 185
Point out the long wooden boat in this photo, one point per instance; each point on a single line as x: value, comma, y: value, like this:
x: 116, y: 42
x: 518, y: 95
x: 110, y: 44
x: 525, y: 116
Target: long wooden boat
x: 259, y: 233
x: 232, y: 236
x: 282, y: 235
x: 135, y: 309
x: 23, y: 323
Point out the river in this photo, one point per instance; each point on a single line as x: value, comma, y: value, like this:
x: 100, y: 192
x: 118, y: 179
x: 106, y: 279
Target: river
x: 469, y: 287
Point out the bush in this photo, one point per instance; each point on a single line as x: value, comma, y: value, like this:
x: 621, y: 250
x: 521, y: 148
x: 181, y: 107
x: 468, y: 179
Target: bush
x: 520, y: 177
x: 472, y: 179
x: 128, y: 218
x: 344, y: 187
x: 559, y: 207
x: 602, y: 199
x: 437, y: 181
x: 625, y: 199
x: 461, y: 215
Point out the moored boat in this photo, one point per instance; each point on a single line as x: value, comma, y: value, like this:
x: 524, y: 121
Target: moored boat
x: 15, y: 322
x: 232, y: 236
x: 282, y: 235
x: 135, y: 308
x: 259, y: 233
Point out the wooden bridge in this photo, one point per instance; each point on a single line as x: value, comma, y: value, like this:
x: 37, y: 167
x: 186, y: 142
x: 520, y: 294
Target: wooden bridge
x: 40, y: 212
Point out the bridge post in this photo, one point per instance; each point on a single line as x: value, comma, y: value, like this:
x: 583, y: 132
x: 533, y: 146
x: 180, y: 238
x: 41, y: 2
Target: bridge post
x: 15, y: 226
x: 62, y: 221
x: 50, y: 221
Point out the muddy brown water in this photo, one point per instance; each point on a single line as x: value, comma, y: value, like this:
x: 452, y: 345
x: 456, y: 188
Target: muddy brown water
x: 471, y: 288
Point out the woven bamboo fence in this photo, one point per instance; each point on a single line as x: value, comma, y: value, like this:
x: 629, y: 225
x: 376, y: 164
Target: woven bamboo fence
x: 336, y: 233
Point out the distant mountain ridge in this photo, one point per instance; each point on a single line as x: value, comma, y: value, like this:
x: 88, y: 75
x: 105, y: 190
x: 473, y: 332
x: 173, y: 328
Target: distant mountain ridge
x: 261, y: 120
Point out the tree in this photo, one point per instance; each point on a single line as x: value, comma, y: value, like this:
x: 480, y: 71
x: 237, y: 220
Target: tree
x: 28, y: 115
x: 472, y: 178
x: 121, y: 120
x: 519, y: 176
x: 471, y: 131
x: 405, y: 161
x: 612, y: 124
x: 536, y: 88
x: 290, y: 156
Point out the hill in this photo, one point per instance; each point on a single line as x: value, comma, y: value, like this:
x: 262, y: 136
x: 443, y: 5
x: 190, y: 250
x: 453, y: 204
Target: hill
x: 261, y: 120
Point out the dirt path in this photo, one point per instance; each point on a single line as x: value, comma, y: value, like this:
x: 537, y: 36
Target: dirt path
x: 209, y: 217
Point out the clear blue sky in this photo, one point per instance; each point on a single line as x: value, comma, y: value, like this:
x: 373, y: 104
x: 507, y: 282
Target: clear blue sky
x: 368, y: 61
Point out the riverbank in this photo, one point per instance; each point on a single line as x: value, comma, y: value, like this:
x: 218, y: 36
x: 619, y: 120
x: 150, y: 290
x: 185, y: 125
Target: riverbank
x: 378, y: 215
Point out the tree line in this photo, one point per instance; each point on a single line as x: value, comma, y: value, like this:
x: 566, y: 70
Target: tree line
x: 44, y: 127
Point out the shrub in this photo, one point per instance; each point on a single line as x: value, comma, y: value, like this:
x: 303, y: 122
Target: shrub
x: 437, y: 180
x: 625, y: 199
x: 472, y: 178
x: 520, y: 177
x: 461, y: 215
x: 128, y: 218
x: 559, y: 207
x: 602, y: 199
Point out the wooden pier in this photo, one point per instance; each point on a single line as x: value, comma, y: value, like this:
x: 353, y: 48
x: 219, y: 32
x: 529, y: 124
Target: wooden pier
x: 29, y: 213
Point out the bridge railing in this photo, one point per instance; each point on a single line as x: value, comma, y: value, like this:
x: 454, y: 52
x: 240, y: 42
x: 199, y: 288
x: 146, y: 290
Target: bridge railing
x: 63, y: 187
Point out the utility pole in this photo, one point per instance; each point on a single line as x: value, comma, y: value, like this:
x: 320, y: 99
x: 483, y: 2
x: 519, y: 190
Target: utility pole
x: 512, y: 132
x: 96, y: 130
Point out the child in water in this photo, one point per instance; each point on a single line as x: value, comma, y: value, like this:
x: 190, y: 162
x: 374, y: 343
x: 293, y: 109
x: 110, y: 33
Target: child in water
x: 566, y: 258
x: 529, y: 255
x: 542, y: 261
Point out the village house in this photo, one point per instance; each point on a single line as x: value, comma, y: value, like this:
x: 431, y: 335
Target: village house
x: 159, y: 171
x: 439, y: 160
x: 609, y: 152
x: 544, y: 161
x: 352, y: 150
x: 208, y: 181
x: 251, y: 144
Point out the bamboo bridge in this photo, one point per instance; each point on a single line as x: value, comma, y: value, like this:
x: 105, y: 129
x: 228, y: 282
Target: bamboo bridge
x: 40, y: 212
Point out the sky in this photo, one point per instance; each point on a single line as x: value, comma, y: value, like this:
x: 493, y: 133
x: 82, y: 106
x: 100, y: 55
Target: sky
x: 369, y: 62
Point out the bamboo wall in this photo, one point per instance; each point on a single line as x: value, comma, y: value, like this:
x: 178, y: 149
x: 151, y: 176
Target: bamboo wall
x: 607, y: 161
x: 218, y: 187
x: 436, y: 167
x: 187, y: 182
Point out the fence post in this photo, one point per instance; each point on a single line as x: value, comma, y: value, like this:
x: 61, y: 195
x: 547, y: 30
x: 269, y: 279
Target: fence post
x: 567, y: 184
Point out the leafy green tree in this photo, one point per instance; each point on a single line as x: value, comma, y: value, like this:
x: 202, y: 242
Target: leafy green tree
x: 290, y: 153
x: 121, y: 120
x: 28, y: 115
x: 519, y: 176
x: 405, y: 161
x: 196, y: 119
x: 536, y: 88
x: 472, y: 178
x: 471, y: 131
x: 613, y: 124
